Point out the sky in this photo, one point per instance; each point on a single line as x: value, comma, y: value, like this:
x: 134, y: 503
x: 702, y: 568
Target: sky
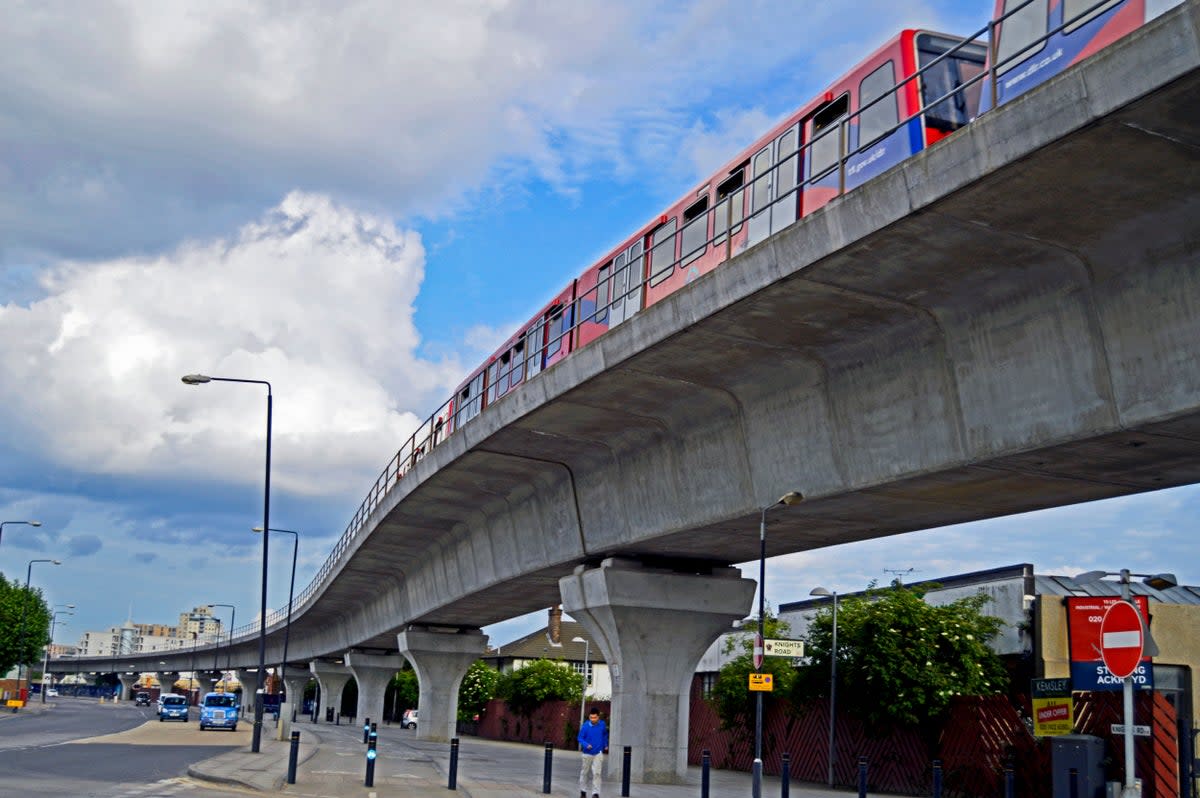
x: 358, y: 201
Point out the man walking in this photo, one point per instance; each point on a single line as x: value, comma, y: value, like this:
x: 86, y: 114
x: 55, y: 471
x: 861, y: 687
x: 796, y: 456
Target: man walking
x: 593, y: 745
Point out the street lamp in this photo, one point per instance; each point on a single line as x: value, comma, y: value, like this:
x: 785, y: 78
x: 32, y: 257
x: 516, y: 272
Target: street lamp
x: 30, y: 523
x: 256, y: 739
x: 287, y: 627
x: 24, y: 611
x: 192, y: 675
x: 790, y: 498
x: 587, y: 648
x: 820, y: 591
x: 228, y: 635
x: 1150, y: 649
x: 46, y: 656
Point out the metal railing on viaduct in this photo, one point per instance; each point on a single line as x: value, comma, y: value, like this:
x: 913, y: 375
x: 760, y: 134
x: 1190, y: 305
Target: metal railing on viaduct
x: 1004, y: 322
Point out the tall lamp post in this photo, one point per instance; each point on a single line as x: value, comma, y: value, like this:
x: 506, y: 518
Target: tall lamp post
x: 256, y: 739
x: 790, y: 498
x: 1150, y: 649
x: 29, y: 523
x: 228, y: 635
x: 24, y: 610
x: 587, y: 649
x: 287, y: 627
x: 46, y: 656
x: 820, y: 591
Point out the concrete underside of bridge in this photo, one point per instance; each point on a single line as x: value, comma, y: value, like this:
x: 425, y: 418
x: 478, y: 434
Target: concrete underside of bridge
x: 1006, y: 322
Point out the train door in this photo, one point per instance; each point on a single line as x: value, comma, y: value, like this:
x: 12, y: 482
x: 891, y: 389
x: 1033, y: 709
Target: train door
x: 470, y: 400
x: 626, y: 296
x: 773, y: 197
x: 945, y: 78
x: 730, y: 209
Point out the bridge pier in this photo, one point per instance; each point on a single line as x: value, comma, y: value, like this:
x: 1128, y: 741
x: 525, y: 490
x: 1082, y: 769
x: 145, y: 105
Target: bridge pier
x: 293, y: 685
x: 653, y: 626
x: 332, y: 679
x: 441, y: 660
x: 372, y: 672
x: 128, y: 680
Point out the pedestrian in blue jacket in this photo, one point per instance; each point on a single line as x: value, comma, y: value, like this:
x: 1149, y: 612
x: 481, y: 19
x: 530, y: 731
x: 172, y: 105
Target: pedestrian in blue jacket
x: 593, y: 745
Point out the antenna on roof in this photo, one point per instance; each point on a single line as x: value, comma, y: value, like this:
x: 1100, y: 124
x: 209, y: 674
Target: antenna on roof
x: 900, y: 573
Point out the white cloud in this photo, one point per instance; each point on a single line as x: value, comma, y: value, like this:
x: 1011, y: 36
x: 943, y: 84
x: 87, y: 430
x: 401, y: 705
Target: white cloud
x: 314, y: 297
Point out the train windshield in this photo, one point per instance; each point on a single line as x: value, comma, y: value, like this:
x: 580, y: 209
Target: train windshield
x: 945, y: 79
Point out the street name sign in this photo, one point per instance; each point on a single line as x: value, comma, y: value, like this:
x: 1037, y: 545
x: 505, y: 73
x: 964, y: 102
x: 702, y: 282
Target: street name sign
x: 783, y: 648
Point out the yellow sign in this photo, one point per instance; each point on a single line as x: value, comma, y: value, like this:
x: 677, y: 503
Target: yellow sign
x: 761, y: 682
x: 1053, y: 716
x: 15, y: 702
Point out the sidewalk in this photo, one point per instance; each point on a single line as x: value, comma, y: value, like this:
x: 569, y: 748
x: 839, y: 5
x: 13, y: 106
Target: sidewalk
x: 333, y: 765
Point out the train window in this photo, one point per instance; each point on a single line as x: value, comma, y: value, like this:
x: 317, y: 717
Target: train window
x: 695, y: 231
x: 554, y: 330
x: 536, y: 339
x: 1019, y: 33
x: 879, y: 119
x: 518, y: 369
x: 636, y: 276
x: 493, y: 379
x: 760, y: 192
x: 729, y: 204
x: 662, y: 255
x: 826, y: 140
x: 785, y: 156
x: 945, y: 78
x: 603, y: 292
x: 470, y: 399
x: 1073, y: 8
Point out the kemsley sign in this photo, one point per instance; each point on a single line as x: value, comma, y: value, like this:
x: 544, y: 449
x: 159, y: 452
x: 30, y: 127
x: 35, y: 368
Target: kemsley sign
x: 1085, y: 614
x: 1053, y: 709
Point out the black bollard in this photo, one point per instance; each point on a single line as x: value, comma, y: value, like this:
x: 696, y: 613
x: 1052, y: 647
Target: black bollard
x: 862, y: 777
x: 626, y: 766
x: 785, y: 774
x: 1073, y: 783
x: 366, y: 730
x: 1010, y: 780
x: 337, y: 719
x: 293, y: 756
x: 937, y: 778
x: 546, y: 766
x: 375, y: 728
x: 372, y: 743
x: 453, y: 782
x: 705, y: 764
x: 329, y: 714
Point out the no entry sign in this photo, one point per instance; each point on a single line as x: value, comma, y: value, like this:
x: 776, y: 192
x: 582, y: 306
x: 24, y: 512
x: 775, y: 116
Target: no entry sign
x: 1085, y: 615
x: 1121, y: 639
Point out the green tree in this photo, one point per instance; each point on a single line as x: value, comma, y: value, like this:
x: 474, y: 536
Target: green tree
x: 731, y: 695
x: 901, y: 660
x: 403, y: 692
x: 24, y: 624
x: 541, y: 680
x: 478, y: 687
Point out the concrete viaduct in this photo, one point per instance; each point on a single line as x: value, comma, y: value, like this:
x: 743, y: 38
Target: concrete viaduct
x: 1006, y: 322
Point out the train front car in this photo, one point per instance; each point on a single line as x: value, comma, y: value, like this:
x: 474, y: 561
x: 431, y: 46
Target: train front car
x: 1037, y: 39
x: 883, y: 111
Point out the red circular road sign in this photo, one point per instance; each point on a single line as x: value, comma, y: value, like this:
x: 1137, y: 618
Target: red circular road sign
x: 1121, y: 639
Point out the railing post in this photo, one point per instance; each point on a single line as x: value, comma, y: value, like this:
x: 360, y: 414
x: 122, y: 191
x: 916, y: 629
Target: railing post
x: 293, y: 757
x: 626, y: 766
x: 547, y: 766
x: 785, y: 775
x: 937, y: 778
x: 705, y: 764
x: 843, y: 153
x: 453, y: 782
x: 992, y: 74
x: 862, y: 777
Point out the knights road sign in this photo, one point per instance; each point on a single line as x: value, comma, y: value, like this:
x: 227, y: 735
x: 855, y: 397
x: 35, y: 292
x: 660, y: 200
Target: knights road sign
x: 783, y: 648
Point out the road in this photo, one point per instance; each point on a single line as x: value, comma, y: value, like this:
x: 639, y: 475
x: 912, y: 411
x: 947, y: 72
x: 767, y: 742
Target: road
x: 80, y: 747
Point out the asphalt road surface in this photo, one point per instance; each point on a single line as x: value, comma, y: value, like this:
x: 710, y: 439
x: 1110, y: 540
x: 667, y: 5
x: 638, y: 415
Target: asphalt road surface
x: 81, y: 748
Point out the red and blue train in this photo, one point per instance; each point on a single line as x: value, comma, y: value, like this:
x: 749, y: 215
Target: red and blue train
x: 913, y: 91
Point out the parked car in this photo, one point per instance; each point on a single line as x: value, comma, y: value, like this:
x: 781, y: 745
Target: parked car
x: 142, y: 700
x: 219, y: 710
x: 52, y: 693
x: 173, y: 707
x: 409, y: 720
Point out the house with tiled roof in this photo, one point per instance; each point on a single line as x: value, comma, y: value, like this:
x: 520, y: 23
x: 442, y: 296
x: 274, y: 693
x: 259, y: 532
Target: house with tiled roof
x: 559, y: 640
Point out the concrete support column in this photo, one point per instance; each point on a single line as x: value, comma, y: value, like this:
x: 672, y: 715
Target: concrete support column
x: 128, y: 680
x: 332, y: 678
x: 441, y: 660
x: 247, y: 689
x: 166, y: 681
x: 294, y: 684
x: 372, y: 672
x: 653, y: 626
